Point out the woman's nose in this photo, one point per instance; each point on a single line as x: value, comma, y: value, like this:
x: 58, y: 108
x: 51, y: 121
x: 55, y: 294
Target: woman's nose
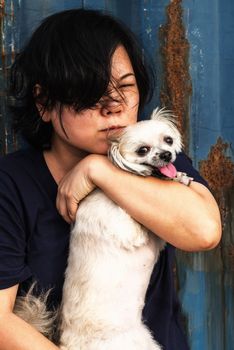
x: 111, y: 108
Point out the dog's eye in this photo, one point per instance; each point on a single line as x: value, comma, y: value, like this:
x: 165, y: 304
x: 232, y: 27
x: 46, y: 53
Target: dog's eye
x: 168, y: 140
x: 142, y: 151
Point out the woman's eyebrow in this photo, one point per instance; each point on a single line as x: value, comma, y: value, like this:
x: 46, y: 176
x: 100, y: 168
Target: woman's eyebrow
x: 126, y: 75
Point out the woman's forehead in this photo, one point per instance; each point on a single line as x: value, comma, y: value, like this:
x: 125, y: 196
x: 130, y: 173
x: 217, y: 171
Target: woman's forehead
x: 121, y: 66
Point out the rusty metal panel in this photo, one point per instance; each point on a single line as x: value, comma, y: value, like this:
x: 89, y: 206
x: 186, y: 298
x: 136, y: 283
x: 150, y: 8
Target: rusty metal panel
x: 196, y: 63
x: 207, y: 279
x: 9, y: 44
x: 191, y: 46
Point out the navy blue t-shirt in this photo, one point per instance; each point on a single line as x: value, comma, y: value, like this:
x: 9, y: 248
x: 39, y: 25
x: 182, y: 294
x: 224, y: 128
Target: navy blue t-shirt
x: 34, y: 242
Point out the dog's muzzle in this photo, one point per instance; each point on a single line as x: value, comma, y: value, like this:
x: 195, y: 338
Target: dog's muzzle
x: 166, y: 156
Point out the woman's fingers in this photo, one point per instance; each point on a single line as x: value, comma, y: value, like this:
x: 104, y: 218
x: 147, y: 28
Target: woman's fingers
x: 66, y: 204
x: 74, y: 187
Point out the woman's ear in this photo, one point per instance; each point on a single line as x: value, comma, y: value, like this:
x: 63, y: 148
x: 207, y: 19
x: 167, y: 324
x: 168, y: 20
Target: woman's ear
x: 44, y: 114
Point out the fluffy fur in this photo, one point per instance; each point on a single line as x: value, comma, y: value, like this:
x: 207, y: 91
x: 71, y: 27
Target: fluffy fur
x: 34, y: 311
x: 112, y: 256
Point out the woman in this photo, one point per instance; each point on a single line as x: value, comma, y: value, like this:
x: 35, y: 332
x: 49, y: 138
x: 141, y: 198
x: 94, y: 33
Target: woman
x: 80, y: 74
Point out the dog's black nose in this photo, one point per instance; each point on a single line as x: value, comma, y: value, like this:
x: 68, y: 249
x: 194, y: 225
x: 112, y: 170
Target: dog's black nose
x: 166, y: 156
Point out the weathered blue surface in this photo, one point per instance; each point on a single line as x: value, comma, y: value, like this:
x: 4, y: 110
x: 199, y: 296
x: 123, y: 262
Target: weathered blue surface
x: 207, y: 293
x: 206, y: 280
x: 210, y: 30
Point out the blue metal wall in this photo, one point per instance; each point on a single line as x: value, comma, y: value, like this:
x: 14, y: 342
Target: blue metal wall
x: 206, y: 280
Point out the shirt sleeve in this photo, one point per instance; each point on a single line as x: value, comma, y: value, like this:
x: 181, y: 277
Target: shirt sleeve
x: 184, y: 164
x: 13, y: 236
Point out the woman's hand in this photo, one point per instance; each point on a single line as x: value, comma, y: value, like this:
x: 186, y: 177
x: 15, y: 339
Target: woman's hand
x: 77, y: 184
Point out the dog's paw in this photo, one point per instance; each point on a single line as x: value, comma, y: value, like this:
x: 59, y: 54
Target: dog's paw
x: 183, y: 178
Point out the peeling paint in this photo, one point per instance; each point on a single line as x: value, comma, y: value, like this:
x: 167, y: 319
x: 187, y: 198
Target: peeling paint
x: 8, y: 36
x: 2, y: 36
x: 6, y: 27
x: 177, y: 86
x: 205, y: 280
x: 218, y: 170
x: 2, y: 76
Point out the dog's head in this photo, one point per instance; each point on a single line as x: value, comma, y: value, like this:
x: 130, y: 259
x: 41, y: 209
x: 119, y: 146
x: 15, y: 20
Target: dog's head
x: 148, y: 147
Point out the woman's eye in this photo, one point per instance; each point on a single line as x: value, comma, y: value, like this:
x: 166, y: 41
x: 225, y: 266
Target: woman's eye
x: 168, y: 140
x: 126, y: 86
x: 142, y: 151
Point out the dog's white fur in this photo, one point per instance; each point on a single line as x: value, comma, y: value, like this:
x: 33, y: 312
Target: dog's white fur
x: 112, y: 256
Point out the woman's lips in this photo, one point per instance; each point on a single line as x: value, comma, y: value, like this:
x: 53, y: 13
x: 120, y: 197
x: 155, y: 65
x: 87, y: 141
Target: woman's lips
x: 112, y: 128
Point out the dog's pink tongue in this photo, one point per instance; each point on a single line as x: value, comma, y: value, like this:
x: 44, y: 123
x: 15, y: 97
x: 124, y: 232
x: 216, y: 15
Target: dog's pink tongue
x: 168, y: 170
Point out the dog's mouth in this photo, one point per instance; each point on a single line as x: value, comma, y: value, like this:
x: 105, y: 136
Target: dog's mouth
x: 168, y: 170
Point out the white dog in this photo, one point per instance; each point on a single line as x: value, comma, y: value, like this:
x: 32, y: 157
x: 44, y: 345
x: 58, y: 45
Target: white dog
x: 112, y: 256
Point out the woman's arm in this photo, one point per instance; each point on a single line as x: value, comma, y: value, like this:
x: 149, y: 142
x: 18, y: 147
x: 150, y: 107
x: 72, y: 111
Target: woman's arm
x: 186, y: 217
x: 14, y: 332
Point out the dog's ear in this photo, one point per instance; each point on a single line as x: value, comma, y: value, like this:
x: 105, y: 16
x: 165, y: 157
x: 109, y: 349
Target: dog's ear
x: 116, y: 158
x: 163, y: 114
x: 166, y: 116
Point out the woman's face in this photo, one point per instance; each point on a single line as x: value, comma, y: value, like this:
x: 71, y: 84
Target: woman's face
x: 87, y: 130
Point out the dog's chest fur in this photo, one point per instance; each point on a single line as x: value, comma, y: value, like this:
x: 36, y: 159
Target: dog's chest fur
x: 110, y: 262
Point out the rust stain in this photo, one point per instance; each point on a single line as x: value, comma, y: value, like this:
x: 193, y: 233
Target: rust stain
x: 2, y: 6
x: 218, y: 170
x: 2, y: 15
x: 2, y: 69
x: 12, y: 15
x: 7, y: 52
x: 228, y: 257
x: 3, y: 47
x: 177, y: 86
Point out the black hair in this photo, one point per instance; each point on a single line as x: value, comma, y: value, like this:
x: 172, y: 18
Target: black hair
x: 69, y: 58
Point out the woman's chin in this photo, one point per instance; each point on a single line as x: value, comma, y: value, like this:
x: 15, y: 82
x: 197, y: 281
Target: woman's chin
x: 102, y: 150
